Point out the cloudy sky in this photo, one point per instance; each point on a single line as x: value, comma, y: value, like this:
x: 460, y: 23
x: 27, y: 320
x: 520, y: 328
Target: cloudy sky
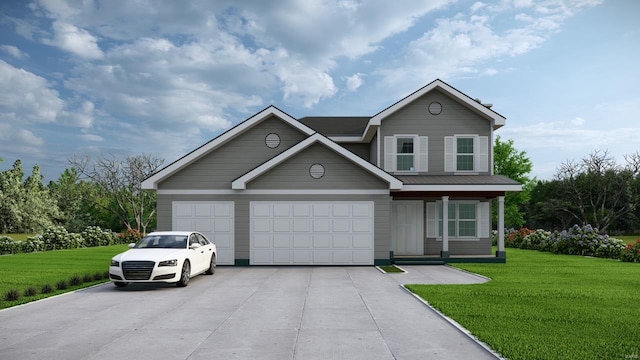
x: 129, y: 77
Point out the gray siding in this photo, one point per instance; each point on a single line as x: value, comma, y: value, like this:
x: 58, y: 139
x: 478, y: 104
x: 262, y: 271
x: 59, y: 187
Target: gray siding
x: 456, y: 247
x: 455, y: 118
x: 373, y: 151
x: 360, y: 149
x: 229, y: 161
x: 382, y: 209
x: 340, y: 173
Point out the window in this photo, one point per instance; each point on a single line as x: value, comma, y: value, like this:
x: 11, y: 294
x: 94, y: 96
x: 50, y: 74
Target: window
x: 405, y: 154
x: 462, y: 219
x: 464, y: 154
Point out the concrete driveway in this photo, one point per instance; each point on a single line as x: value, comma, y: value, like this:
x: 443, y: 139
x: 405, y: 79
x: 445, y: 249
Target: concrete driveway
x: 245, y: 313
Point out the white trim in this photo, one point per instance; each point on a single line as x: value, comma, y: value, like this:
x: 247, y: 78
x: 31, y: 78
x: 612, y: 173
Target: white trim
x: 378, y: 145
x: 440, y: 204
x: 241, y: 182
x: 346, y: 139
x: 450, y: 187
x: 151, y: 183
x: 277, y: 192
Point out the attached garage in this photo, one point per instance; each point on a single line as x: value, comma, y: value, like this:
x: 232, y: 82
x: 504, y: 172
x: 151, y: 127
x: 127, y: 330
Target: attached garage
x: 215, y: 219
x: 311, y: 233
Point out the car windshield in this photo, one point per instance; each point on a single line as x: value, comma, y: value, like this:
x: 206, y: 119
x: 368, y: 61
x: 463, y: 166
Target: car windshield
x: 162, y: 242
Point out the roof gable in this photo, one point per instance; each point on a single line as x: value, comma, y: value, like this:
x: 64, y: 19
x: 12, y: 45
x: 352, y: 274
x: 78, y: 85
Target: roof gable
x: 496, y: 119
x: 241, y: 182
x: 152, y: 181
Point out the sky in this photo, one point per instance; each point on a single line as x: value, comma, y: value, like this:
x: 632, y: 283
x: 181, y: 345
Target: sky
x: 129, y: 77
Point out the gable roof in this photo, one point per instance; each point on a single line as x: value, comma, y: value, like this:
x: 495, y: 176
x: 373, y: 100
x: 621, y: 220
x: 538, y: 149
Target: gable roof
x: 496, y: 119
x: 152, y: 182
x: 241, y: 182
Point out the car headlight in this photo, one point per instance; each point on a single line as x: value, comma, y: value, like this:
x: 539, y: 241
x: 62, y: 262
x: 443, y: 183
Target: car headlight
x: 115, y: 263
x: 173, y: 262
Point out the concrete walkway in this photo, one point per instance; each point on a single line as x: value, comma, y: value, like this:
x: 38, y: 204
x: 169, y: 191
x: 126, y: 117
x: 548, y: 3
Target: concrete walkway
x: 245, y: 313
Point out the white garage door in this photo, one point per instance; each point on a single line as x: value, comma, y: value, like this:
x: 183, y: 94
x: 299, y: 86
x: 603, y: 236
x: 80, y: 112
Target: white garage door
x: 312, y: 233
x: 212, y: 218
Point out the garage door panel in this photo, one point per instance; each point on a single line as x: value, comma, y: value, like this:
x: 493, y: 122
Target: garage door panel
x: 302, y: 241
x: 214, y: 219
x: 307, y: 233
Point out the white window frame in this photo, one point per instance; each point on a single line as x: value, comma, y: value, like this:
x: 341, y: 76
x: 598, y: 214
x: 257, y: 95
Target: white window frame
x: 434, y: 220
x: 480, y: 153
x: 420, y: 153
x: 456, y: 203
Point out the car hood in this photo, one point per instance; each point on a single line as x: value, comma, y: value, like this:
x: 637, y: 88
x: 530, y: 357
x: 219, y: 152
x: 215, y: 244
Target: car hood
x: 150, y: 255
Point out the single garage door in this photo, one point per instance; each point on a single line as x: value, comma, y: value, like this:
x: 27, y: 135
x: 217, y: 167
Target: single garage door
x: 212, y: 218
x: 311, y: 233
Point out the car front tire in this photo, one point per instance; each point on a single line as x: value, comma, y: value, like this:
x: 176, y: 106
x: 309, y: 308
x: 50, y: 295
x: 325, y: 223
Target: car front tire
x: 184, y: 275
x: 212, y: 266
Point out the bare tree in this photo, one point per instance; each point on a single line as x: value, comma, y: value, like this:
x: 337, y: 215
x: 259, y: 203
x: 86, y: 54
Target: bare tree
x: 121, y: 180
x: 599, y: 188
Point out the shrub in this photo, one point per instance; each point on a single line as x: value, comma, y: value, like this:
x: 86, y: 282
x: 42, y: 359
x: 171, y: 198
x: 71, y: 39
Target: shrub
x: 31, y: 291
x: 516, y: 239
x: 46, y: 288
x: 33, y: 244
x: 12, y: 295
x: 75, y: 280
x: 56, y: 238
x: 95, y: 236
x: 130, y: 236
x: 62, y: 285
x: 8, y: 245
x: 87, y: 278
x: 631, y: 252
x: 97, y: 276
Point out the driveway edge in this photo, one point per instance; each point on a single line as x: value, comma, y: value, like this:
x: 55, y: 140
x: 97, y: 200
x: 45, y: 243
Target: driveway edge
x: 456, y: 325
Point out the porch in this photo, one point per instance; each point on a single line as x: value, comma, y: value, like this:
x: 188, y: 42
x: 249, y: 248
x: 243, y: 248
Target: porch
x: 440, y: 260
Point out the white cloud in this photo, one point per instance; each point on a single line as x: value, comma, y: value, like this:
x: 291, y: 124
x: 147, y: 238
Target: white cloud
x: 578, y: 121
x: 26, y: 97
x: 14, y: 51
x: 75, y: 40
x: 354, y: 81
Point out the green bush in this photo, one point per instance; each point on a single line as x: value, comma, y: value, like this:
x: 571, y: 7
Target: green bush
x: 95, y: 236
x: 56, y: 238
x: 8, y: 245
x: 32, y: 244
x: 631, y: 253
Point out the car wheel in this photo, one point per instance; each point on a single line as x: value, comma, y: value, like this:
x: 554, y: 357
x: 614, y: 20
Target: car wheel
x: 120, y: 284
x: 212, y: 266
x: 184, y: 275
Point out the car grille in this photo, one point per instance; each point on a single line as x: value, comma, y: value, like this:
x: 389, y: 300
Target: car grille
x: 137, y: 270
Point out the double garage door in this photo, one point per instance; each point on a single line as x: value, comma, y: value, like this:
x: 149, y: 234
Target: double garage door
x: 311, y: 233
x: 286, y: 233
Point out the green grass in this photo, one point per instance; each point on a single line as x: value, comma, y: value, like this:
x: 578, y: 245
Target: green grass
x: 546, y: 306
x: 390, y: 269
x: 34, y: 270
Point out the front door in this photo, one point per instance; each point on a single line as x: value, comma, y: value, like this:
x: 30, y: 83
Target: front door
x: 408, y: 227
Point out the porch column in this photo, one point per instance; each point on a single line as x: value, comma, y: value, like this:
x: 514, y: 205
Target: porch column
x: 445, y: 227
x: 501, y: 253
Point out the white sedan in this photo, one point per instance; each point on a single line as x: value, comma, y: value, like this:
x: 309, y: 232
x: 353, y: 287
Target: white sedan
x: 164, y: 256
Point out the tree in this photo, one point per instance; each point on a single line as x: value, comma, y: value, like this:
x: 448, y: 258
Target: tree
x: 27, y: 206
x: 515, y: 165
x: 598, y: 191
x: 120, y: 181
x: 72, y: 195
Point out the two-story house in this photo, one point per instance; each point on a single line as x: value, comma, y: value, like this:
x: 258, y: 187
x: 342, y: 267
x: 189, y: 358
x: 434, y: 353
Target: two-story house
x: 412, y: 183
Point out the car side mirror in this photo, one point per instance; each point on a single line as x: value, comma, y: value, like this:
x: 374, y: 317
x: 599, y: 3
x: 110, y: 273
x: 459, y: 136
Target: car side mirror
x: 194, y: 246
x: 131, y: 245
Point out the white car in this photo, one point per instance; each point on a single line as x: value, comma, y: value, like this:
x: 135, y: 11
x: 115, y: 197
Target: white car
x: 164, y: 256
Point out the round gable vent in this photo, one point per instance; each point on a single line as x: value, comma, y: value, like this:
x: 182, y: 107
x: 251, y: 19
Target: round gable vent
x: 435, y: 108
x: 316, y: 171
x: 272, y: 140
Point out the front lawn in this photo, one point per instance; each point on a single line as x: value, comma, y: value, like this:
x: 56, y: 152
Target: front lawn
x: 25, y: 273
x: 546, y: 306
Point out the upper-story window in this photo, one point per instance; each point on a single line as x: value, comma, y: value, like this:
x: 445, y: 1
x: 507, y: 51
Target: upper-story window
x: 405, y: 153
x: 466, y: 154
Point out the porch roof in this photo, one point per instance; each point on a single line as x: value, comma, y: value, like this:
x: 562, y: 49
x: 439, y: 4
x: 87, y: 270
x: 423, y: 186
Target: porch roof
x: 458, y: 183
